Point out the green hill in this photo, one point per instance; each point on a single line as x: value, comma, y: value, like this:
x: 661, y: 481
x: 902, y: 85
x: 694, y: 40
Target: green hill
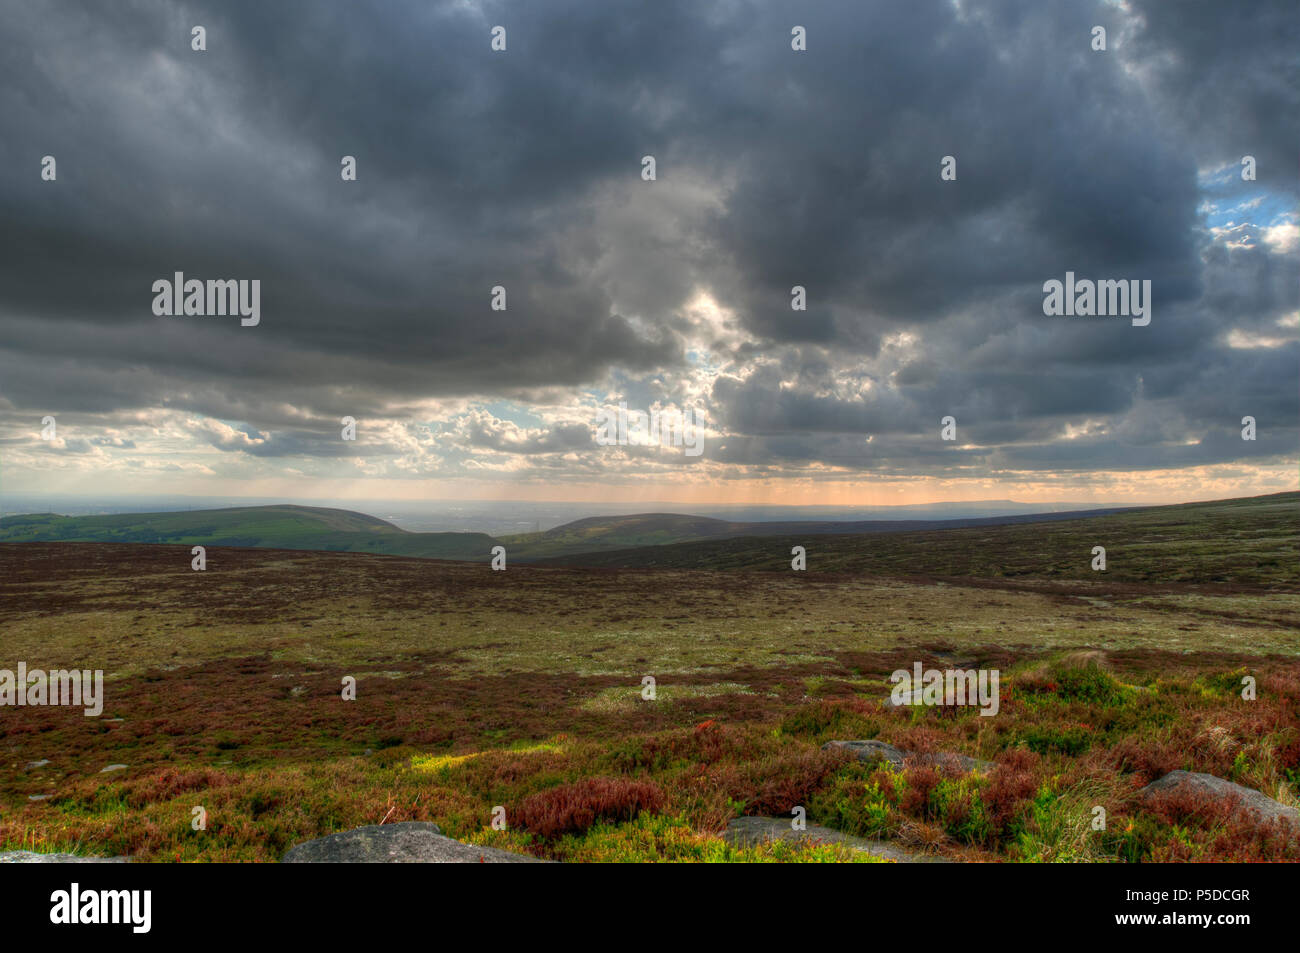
x: 612, y: 533
x: 1252, y: 542
x: 269, y: 527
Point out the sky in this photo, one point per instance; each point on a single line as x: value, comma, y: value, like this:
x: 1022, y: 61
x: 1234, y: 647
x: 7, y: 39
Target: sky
x: 523, y: 169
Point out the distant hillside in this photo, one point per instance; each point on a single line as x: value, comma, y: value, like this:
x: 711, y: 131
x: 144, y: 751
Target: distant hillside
x: 611, y: 533
x: 269, y: 527
x: 1251, y: 542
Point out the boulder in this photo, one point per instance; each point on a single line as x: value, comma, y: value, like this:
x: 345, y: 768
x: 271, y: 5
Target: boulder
x: 749, y: 831
x: 31, y: 857
x: 411, y: 842
x: 880, y: 751
x: 950, y: 761
x: 868, y: 751
x: 1259, y: 807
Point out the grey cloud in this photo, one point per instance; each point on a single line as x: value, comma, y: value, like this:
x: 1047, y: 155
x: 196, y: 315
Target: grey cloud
x: 776, y: 169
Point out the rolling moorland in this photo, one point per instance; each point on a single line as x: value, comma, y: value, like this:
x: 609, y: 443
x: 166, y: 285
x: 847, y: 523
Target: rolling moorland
x: 1250, y: 541
x: 277, y: 527
x: 522, y: 689
x: 334, y: 530
x: 617, y: 533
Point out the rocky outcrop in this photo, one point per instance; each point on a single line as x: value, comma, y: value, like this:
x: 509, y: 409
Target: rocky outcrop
x: 749, y: 831
x: 31, y: 857
x: 872, y: 750
x: 868, y: 751
x: 412, y: 842
x: 1247, y: 802
x: 950, y: 761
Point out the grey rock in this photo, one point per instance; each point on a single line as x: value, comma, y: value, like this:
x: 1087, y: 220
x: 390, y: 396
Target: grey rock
x: 37, y: 764
x: 1260, y: 807
x: 31, y: 857
x: 38, y: 797
x: 868, y: 751
x: 951, y: 761
x: 410, y: 842
x: 880, y: 751
x: 113, y: 767
x: 750, y: 831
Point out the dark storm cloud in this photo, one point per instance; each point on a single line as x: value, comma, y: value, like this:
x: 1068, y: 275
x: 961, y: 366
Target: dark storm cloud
x: 521, y: 169
x: 1229, y: 76
x: 235, y: 173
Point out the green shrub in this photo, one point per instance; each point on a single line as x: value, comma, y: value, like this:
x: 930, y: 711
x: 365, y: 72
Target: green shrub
x: 1059, y: 827
x: 1088, y: 684
x: 956, y: 804
x: 1221, y: 685
x: 862, y: 806
x: 1072, y: 740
